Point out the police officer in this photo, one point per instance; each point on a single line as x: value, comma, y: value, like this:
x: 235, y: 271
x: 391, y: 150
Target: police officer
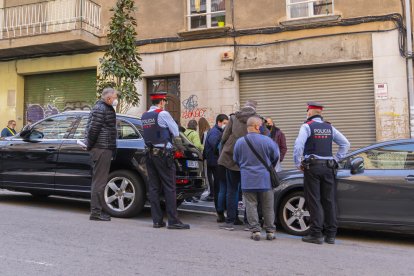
x: 159, y: 130
x: 313, y: 155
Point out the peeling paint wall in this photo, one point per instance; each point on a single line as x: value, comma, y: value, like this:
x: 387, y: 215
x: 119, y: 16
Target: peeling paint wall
x: 392, y: 114
x: 204, y: 90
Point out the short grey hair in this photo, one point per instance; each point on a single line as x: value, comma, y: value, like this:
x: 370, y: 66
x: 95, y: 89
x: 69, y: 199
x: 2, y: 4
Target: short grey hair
x: 254, y: 120
x: 108, y: 92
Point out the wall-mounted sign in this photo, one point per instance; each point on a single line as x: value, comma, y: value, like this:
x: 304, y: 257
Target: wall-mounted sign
x: 381, y: 91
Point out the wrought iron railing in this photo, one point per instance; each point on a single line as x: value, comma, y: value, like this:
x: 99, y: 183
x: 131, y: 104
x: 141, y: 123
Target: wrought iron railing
x: 49, y: 17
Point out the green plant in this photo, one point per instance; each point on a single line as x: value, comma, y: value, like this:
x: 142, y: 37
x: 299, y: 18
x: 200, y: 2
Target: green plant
x: 221, y: 18
x: 120, y: 66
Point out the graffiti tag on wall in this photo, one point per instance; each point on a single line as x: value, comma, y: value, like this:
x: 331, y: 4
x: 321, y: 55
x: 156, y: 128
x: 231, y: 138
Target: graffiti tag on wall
x: 37, y: 112
x: 195, y: 113
x: 191, y: 109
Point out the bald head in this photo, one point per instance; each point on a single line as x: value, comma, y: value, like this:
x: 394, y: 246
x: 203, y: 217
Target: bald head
x: 253, y: 124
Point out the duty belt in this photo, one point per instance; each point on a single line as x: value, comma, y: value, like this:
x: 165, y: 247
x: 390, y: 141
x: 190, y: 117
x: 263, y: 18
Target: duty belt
x: 330, y: 163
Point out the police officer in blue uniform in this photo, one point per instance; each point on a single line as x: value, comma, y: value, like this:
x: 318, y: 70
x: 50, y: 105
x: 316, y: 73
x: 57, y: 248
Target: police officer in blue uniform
x: 313, y: 155
x: 159, y: 131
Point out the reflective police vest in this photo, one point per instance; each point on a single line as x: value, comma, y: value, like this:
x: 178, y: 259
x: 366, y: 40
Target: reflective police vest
x: 153, y: 133
x: 320, y: 141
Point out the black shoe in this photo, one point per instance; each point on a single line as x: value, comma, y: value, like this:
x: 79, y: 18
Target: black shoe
x: 238, y: 222
x: 312, y: 239
x: 178, y: 226
x: 221, y: 217
x: 105, y: 215
x: 159, y: 224
x: 330, y: 240
x: 100, y: 217
x: 227, y: 226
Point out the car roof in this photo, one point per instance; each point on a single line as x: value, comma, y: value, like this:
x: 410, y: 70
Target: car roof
x: 87, y: 112
x: 381, y: 144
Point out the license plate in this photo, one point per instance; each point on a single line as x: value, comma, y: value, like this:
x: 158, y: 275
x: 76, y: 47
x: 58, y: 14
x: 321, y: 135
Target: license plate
x: 192, y: 164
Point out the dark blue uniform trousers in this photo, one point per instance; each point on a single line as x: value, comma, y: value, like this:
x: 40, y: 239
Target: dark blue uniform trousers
x: 320, y: 191
x: 161, y: 176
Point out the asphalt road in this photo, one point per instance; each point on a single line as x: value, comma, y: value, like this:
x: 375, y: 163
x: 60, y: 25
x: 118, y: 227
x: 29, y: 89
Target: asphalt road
x: 55, y: 237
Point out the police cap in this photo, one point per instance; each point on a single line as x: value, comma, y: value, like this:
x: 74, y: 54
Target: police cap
x: 314, y: 105
x: 159, y: 95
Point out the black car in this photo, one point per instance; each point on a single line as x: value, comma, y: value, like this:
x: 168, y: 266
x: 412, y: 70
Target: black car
x: 47, y: 158
x: 375, y: 191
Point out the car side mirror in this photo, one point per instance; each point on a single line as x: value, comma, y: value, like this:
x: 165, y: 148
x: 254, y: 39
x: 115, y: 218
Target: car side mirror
x: 25, y: 133
x: 357, y: 165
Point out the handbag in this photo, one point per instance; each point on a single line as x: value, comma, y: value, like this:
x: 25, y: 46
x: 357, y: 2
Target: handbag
x: 274, y: 178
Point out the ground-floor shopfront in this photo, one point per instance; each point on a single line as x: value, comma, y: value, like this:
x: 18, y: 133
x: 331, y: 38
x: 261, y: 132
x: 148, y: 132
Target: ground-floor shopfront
x: 361, y: 79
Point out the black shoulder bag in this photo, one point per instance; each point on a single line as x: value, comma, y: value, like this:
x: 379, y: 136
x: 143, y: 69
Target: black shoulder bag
x: 274, y: 178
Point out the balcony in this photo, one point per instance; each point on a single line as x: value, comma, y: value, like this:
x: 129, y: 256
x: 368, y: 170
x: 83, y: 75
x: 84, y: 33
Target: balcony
x: 59, y: 26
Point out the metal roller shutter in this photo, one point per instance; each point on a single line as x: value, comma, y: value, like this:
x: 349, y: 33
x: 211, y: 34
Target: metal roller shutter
x: 48, y: 94
x: 346, y: 91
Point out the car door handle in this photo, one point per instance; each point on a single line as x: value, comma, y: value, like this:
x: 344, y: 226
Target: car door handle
x: 410, y: 178
x: 51, y: 149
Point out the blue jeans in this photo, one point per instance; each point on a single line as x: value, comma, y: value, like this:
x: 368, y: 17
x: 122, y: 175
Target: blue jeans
x: 232, y: 195
x: 222, y: 191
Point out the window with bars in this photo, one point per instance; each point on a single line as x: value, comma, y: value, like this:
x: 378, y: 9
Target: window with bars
x: 204, y: 14
x: 309, y: 8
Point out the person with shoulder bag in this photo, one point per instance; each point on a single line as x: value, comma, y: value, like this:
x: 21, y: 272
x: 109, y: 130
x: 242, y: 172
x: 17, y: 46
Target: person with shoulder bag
x: 256, y: 165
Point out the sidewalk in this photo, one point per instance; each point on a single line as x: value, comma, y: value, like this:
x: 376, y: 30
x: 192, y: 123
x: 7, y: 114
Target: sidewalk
x: 204, y: 206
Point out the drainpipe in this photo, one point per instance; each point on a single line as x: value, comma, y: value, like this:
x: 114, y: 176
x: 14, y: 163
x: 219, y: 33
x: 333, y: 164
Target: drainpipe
x: 410, y: 77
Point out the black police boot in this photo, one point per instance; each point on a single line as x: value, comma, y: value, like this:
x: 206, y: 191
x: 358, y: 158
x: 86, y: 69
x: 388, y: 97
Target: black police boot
x: 159, y: 224
x: 312, y: 239
x: 178, y: 226
x: 330, y: 240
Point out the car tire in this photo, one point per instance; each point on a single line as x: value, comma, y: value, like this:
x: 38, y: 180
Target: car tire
x: 123, y: 195
x: 293, y: 215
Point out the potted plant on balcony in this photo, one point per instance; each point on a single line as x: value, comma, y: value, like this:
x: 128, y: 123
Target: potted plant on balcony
x: 221, y: 21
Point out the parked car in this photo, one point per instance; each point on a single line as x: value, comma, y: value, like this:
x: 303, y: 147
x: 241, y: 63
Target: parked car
x: 47, y: 159
x: 375, y: 191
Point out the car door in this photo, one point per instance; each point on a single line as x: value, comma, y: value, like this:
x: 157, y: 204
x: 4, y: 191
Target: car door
x: 73, y: 172
x: 384, y: 192
x: 30, y: 162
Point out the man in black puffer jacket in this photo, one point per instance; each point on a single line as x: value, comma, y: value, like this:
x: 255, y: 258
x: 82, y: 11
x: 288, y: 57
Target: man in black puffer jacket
x: 101, y: 142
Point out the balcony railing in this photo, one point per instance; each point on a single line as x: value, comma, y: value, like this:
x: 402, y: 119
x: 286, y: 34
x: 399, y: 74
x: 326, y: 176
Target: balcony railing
x: 50, y: 17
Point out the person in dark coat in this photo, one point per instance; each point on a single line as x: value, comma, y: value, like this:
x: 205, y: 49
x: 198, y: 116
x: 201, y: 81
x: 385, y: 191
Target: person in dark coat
x: 101, y: 142
x: 211, y: 155
x: 278, y: 136
x: 235, y: 129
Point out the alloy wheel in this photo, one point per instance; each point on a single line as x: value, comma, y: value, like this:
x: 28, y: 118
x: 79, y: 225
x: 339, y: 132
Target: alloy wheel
x: 119, y: 194
x: 295, y: 215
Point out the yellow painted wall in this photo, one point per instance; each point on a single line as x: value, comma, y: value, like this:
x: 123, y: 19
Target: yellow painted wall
x: 12, y: 78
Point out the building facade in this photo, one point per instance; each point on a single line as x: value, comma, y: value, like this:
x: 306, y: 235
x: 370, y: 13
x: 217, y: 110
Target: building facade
x: 213, y: 55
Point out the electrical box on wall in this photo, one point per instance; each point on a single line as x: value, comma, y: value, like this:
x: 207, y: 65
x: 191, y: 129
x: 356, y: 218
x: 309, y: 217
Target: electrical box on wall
x: 226, y: 56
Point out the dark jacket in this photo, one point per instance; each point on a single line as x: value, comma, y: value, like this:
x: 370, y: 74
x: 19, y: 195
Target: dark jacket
x: 211, y: 146
x: 101, y: 127
x: 279, y: 137
x: 235, y: 129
